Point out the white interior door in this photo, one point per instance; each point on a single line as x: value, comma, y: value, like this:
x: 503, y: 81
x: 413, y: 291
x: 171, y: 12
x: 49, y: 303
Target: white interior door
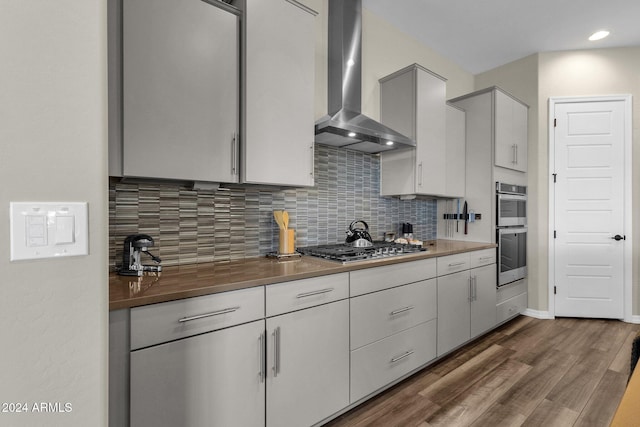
x: 589, y: 198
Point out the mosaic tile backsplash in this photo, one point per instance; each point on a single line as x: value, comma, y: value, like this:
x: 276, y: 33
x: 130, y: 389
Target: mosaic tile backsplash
x: 194, y: 226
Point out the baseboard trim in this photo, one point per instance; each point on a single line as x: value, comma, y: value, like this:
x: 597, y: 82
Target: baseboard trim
x: 635, y: 319
x: 538, y: 314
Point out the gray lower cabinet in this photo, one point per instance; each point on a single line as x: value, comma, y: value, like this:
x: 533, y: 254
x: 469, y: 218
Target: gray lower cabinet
x: 307, y: 350
x: 393, y: 324
x: 466, y: 300
x: 213, y: 379
x: 307, y: 365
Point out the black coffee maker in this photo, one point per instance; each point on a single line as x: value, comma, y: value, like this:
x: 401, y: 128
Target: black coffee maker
x: 134, y: 245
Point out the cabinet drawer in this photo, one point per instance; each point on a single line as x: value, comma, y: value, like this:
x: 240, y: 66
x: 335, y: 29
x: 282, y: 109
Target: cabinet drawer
x: 511, y: 307
x: 389, y: 276
x: 158, y: 323
x: 381, y: 314
x: 453, y: 263
x: 299, y: 294
x: 511, y: 290
x: 382, y: 362
x: 483, y: 257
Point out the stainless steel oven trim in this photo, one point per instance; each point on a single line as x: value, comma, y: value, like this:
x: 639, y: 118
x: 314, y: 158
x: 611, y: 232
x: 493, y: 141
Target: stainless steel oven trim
x: 509, y: 222
x: 511, y: 275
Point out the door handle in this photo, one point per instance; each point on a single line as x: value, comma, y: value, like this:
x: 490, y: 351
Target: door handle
x: 619, y: 237
x: 276, y: 351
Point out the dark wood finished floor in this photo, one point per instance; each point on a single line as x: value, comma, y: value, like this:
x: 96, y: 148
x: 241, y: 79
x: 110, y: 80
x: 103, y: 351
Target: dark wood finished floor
x: 528, y: 372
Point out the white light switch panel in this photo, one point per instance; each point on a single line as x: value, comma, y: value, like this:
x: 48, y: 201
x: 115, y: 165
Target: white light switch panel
x: 48, y: 230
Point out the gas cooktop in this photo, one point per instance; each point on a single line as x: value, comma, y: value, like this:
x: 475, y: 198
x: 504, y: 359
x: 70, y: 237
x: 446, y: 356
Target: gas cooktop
x: 345, y: 253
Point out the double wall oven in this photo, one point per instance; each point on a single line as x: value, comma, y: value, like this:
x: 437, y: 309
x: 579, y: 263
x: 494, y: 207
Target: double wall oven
x: 511, y: 232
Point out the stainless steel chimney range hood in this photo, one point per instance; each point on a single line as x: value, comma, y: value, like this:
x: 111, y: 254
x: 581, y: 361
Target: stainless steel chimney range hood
x: 345, y: 125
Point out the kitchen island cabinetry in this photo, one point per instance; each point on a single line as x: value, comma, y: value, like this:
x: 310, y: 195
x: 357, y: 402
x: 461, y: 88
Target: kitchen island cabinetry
x: 180, y: 107
x: 278, y: 109
x: 412, y: 101
x: 307, y: 350
x: 466, y: 298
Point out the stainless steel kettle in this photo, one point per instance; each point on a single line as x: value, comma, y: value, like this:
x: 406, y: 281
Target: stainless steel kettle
x: 358, y: 236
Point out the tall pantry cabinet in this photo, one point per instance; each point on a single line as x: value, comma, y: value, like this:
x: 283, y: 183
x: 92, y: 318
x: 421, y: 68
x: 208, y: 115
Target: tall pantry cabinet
x: 496, y: 147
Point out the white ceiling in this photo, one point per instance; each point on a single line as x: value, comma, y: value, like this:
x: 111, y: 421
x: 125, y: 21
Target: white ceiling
x: 480, y: 35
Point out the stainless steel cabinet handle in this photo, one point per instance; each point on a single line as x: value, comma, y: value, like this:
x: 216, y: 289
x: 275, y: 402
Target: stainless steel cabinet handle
x: 455, y: 264
x: 310, y: 294
x: 213, y: 313
x: 401, y: 310
x: 261, y: 350
x: 276, y: 351
x: 475, y: 288
x: 514, y: 154
x: 470, y: 289
x: 420, y: 174
x: 402, y: 356
x: 483, y: 258
x: 234, y: 161
x: 313, y: 162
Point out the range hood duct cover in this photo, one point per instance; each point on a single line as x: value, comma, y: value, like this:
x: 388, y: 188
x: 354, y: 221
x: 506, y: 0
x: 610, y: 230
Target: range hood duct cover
x: 345, y: 125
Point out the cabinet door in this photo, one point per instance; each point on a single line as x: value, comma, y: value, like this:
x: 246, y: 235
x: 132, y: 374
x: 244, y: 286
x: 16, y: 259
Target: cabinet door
x: 180, y: 90
x: 279, y: 92
x: 412, y: 101
x: 206, y: 380
x: 307, y: 365
x: 483, y: 306
x: 456, y: 152
x: 454, y: 292
x: 430, y: 134
x: 510, y: 133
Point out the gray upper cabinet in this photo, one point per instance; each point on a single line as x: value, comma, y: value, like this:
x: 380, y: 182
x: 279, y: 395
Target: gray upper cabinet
x: 412, y: 101
x: 278, y: 124
x: 180, y: 90
x: 510, y: 132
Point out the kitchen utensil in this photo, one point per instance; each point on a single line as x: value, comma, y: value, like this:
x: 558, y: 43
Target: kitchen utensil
x: 277, y: 215
x: 134, y: 245
x: 285, y: 219
x: 464, y: 217
x: 358, y: 236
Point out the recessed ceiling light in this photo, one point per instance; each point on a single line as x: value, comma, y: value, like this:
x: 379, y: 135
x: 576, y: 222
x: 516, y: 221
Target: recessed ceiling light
x: 389, y: 142
x: 351, y: 134
x: 598, y: 35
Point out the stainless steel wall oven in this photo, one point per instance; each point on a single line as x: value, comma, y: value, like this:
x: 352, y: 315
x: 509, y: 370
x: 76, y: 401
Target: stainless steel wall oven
x: 511, y: 232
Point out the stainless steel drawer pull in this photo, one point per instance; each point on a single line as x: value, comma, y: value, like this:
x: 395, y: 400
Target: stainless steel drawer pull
x: 261, y: 352
x: 310, y: 294
x: 213, y: 313
x: 398, y: 358
x: 482, y: 258
x: 401, y: 310
x: 456, y: 264
x: 276, y: 351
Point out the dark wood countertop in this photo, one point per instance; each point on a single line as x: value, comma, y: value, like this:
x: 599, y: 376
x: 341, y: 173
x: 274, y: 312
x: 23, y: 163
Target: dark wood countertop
x: 209, y: 278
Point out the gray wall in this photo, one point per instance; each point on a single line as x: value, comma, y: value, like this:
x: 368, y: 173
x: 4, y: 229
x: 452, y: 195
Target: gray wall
x: 232, y: 223
x: 53, y: 147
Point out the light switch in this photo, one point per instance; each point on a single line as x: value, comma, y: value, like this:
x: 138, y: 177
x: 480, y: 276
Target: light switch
x: 64, y: 229
x: 48, y: 229
x: 36, y: 230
